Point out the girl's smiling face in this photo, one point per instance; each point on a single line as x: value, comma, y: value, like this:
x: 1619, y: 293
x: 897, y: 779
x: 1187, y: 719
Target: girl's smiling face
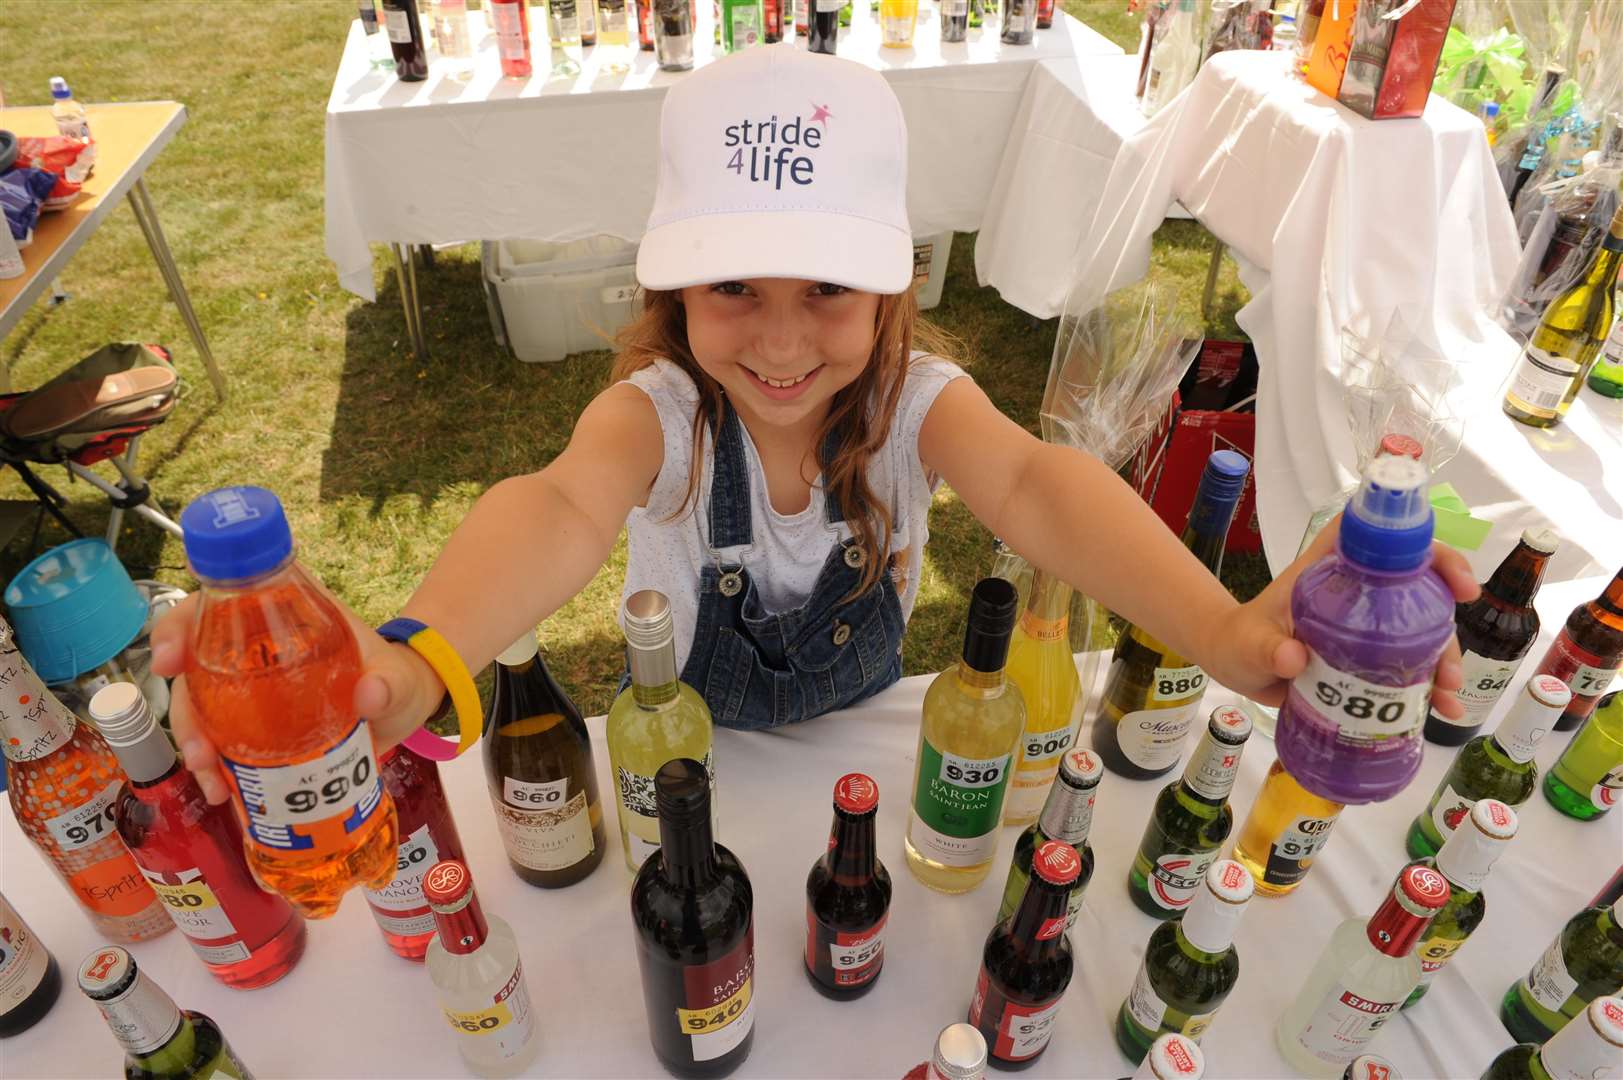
x: 781, y: 347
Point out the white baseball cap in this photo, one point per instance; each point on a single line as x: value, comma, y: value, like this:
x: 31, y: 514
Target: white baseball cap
x: 779, y: 162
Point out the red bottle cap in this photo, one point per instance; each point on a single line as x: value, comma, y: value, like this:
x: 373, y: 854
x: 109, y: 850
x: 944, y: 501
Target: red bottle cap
x: 856, y: 793
x: 1396, y: 445
x: 1083, y: 767
x: 1549, y: 691
x: 448, y: 888
x: 447, y: 885
x: 1057, y: 863
x: 1419, y: 894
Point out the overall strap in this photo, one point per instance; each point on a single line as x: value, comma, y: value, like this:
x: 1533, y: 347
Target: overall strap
x: 729, y: 485
x: 834, y: 512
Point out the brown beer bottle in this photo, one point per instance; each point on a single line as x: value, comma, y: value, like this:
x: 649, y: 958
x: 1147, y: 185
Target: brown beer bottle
x: 1586, y: 653
x: 848, y: 897
x: 1495, y: 631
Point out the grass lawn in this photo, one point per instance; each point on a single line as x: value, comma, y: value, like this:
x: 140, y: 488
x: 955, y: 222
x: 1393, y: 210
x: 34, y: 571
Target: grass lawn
x: 375, y: 455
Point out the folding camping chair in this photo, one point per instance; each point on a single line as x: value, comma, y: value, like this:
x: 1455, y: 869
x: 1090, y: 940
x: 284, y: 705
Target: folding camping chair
x: 95, y: 411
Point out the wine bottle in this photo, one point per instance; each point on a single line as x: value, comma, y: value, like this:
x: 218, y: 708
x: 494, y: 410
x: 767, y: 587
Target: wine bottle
x: 161, y: 1041
x: 1569, y: 336
x: 1498, y: 766
x: 1464, y: 861
x: 427, y: 836
x: 478, y: 978
x: 1045, y: 14
x: 954, y: 19
x: 823, y: 27
x: 1578, y: 1051
x: 1587, y: 652
x: 1532, y: 148
x: 588, y: 22
x: 1284, y: 833
x: 848, y: 897
x: 190, y: 852
x: 1019, y: 22
x: 511, y: 21
x: 1361, y: 979
x: 1587, y: 779
x: 970, y: 728
x: 694, y: 913
x: 539, y: 771
x: 1041, y: 665
x: 29, y: 979
x: 673, y: 34
x: 1172, y: 1057
x: 743, y: 23
x: 1495, y: 631
x: 1152, y: 694
x: 1067, y: 817
x: 658, y: 718
x: 62, y: 782
x: 563, y: 22
x: 1026, y: 963
x: 960, y: 1054
x: 1606, y: 377
x: 1583, y: 962
x: 1190, y: 965
x: 405, y: 29
x: 1190, y: 821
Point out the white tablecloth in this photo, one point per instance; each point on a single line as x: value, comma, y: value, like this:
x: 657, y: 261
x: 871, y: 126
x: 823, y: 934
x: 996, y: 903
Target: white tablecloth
x: 559, y: 159
x: 352, y: 1008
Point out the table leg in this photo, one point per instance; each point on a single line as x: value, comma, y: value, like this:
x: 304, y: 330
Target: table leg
x: 146, y: 216
x: 1218, y: 247
x: 405, y: 269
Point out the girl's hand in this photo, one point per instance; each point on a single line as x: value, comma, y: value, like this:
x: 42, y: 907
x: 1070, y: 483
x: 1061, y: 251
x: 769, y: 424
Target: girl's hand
x: 397, y: 690
x: 1254, y: 654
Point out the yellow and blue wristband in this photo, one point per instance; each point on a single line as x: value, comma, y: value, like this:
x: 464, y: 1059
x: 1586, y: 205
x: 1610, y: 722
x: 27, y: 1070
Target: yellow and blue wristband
x: 426, y: 642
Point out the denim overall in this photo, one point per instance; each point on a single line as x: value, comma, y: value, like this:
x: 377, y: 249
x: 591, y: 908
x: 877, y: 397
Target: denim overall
x: 758, y: 670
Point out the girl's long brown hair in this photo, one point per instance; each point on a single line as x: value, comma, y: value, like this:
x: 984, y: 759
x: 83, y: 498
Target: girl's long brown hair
x: 862, y: 412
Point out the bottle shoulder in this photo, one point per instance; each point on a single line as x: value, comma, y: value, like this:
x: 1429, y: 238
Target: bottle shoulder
x: 684, y: 922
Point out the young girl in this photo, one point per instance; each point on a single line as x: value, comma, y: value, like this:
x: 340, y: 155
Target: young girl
x: 771, y: 444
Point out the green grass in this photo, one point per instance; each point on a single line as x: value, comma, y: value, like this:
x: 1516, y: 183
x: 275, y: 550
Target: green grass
x: 376, y: 455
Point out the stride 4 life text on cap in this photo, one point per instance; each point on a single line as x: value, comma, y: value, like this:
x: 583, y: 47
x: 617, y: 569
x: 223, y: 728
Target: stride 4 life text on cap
x: 769, y: 151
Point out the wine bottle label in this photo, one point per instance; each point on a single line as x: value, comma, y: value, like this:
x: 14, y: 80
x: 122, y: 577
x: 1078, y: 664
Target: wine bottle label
x: 1448, y: 809
x: 547, y: 839
x: 1211, y: 771
x: 413, y: 857
x: 509, y: 22
x: 1485, y: 682
x: 398, y: 24
x: 193, y: 906
x: 23, y: 960
x: 288, y: 807
x: 1289, y: 857
x: 1548, y: 983
x: 1343, y: 1025
x: 90, y: 821
x: 719, y: 1001
x: 1434, y: 954
x: 33, y: 722
x: 500, y: 1031
x: 1153, y: 738
x: 1174, y: 878
x: 1144, y: 1005
x: 857, y: 958
x: 956, y: 806
x: 1177, y: 684
x: 524, y: 795
x: 1022, y: 1031
x: 1542, y: 379
x: 1033, y: 626
x: 1365, y: 712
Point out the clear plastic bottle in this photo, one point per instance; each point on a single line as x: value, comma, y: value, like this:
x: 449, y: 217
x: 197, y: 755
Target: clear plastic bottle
x: 71, y: 119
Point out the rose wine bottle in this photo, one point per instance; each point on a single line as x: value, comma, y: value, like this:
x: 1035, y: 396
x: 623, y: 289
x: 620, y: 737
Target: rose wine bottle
x: 427, y: 836
x: 29, y: 979
x: 190, y: 852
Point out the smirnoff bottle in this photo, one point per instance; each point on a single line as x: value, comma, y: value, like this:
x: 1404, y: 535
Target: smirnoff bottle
x: 1361, y: 979
x: 1191, y: 820
x: 1466, y: 857
x: 1584, y: 1050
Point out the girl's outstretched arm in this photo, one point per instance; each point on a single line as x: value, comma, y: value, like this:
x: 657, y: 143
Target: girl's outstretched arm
x: 1069, y: 514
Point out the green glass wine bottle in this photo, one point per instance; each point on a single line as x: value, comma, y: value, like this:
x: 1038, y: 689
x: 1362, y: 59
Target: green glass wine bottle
x: 1582, y: 963
x: 160, y: 1040
x: 1580, y: 1051
x: 1498, y: 766
x: 1465, y: 859
x: 1191, y: 820
x: 1067, y: 816
x: 1190, y: 965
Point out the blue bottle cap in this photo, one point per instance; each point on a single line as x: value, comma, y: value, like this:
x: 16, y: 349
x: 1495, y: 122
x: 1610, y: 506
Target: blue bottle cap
x: 59, y: 88
x: 1224, y: 478
x: 236, y: 533
x: 1388, y: 522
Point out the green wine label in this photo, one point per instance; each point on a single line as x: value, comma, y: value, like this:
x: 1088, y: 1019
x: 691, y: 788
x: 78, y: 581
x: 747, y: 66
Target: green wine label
x: 957, y: 804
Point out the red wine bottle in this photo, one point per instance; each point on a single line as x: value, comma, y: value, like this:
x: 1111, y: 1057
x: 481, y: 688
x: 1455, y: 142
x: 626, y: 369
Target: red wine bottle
x: 848, y: 897
x: 405, y: 30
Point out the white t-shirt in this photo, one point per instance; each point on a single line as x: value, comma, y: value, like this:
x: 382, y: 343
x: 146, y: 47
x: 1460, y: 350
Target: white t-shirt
x: 669, y: 554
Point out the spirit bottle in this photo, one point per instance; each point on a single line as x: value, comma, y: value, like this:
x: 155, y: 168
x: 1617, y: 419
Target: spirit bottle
x: 1582, y: 963
x: 160, y: 1040
x: 1464, y: 861
x: 1586, y: 653
x: 1580, y: 1051
x: 1041, y: 665
x: 1285, y: 832
x: 1587, y: 779
x: 1067, y: 816
x: 848, y: 897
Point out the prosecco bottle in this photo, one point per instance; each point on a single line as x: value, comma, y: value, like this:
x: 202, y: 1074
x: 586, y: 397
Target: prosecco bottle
x: 1284, y: 833
x: 1495, y: 631
x: 1464, y: 861
x: 1041, y: 665
x: 968, y: 735
x: 427, y: 836
x: 1580, y: 1051
x: 1066, y: 817
x: 848, y: 897
x: 693, y: 910
x: 1583, y: 962
x: 1190, y: 965
x: 1190, y: 821
x: 539, y: 771
x: 960, y: 1054
x: 1026, y: 964
x: 1587, y: 652
x: 1152, y: 694
x: 1498, y: 766
x: 29, y: 979
x: 160, y: 1040
x: 405, y: 29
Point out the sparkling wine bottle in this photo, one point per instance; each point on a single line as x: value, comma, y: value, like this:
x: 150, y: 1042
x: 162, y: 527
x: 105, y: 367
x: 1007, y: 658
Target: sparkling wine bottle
x: 1587, y: 652
x: 1284, y: 833
x: 190, y: 852
x: 62, y: 782
x: 1464, y: 861
x: 1586, y: 1050
x: 1041, y: 665
x: 960, y: 1054
x: 29, y: 979
x: 848, y: 897
x: 1067, y: 817
x: 1583, y: 962
x: 160, y: 1040
x: 427, y: 836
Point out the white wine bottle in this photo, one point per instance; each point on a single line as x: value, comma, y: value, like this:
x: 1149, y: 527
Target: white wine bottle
x: 658, y: 718
x: 970, y: 730
x: 1562, y: 350
x: 1041, y: 665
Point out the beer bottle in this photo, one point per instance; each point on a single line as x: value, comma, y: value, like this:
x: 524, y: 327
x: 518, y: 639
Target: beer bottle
x: 1067, y: 816
x: 1586, y: 653
x: 848, y: 897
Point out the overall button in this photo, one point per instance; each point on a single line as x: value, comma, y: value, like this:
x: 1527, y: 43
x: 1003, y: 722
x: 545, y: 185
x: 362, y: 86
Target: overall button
x: 842, y: 631
x: 854, y: 557
x: 731, y: 583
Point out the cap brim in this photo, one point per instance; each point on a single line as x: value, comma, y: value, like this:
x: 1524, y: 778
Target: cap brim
x: 819, y: 246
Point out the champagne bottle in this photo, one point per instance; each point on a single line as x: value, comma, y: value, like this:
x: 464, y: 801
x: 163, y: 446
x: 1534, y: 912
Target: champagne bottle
x: 1041, y: 665
x: 29, y: 979
x: 656, y: 719
x: 1495, y: 631
x: 694, y: 913
x: 538, y: 767
x: 1067, y: 817
x: 1283, y: 834
x: 160, y: 1040
x: 968, y: 734
x: 1579, y: 1051
x: 1583, y: 962
x: 1152, y: 694
x: 1466, y: 857
x: 1587, y: 652
x: 1568, y: 339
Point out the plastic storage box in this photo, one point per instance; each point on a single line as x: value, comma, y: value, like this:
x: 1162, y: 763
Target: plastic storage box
x: 549, y: 300
x: 930, y: 267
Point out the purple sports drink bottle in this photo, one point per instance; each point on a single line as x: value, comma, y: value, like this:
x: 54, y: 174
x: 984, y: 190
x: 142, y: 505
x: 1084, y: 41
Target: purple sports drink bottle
x: 1375, y: 618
